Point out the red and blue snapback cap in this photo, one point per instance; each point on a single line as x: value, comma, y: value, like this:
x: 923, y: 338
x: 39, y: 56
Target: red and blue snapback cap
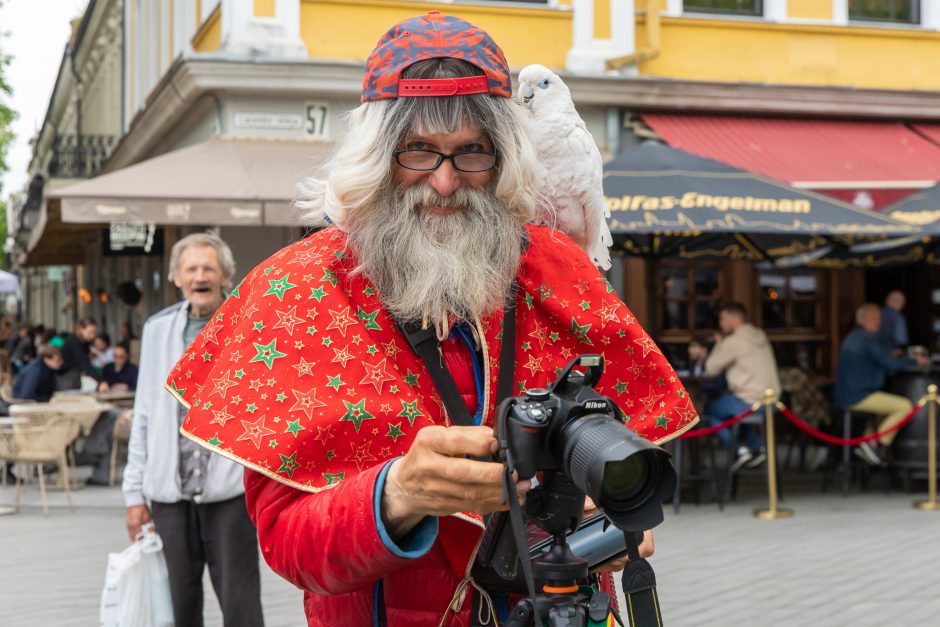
x: 434, y: 36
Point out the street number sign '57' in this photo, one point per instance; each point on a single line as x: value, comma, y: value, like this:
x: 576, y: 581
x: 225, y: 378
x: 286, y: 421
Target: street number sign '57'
x: 317, y: 119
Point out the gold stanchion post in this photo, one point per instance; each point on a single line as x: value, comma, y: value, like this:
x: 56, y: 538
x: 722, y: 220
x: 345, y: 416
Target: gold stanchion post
x: 931, y: 502
x: 773, y: 512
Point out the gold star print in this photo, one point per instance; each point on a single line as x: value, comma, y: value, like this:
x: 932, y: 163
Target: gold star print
x: 341, y: 355
x: 255, y: 431
x: 649, y: 346
x: 220, y: 417
x: 534, y: 364
x: 390, y: 349
x: 306, y: 402
x: 288, y: 320
x: 304, y: 368
x: 360, y: 454
x: 376, y: 375
x: 210, y: 334
x: 323, y: 433
x: 341, y: 319
x: 222, y: 385
x: 541, y: 334
x: 651, y: 400
x: 607, y: 313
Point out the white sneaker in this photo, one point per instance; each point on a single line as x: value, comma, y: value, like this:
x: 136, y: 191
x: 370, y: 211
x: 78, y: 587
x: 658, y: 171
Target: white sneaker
x: 758, y: 459
x: 817, y: 458
x: 744, y: 456
x: 867, y: 452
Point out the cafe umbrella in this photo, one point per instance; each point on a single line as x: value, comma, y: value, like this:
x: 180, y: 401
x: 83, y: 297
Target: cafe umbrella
x: 665, y: 202
x: 920, y: 210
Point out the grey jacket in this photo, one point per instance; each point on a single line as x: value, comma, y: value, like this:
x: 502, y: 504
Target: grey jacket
x: 152, y: 470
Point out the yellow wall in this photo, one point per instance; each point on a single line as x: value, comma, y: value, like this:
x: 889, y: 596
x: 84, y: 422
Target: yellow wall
x: 809, y: 9
x: 348, y: 29
x: 601, y: 19
x: 209, y: 36
x: 265, y: 8
x: 726, y: 50
x: 691, y: 48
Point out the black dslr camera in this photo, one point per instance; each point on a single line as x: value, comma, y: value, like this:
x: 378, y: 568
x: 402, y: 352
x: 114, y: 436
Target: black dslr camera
x: 574, y: 437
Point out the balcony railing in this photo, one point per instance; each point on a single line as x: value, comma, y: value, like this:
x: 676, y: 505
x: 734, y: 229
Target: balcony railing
x: 80, y: 158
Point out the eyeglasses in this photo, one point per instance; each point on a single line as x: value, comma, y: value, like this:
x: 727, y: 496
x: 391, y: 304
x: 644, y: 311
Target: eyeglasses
x: 426, y: 160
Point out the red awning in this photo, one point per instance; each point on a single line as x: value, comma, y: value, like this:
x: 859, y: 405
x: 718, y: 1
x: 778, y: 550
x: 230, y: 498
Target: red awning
x: 930, y: 131
x: 815, y: 154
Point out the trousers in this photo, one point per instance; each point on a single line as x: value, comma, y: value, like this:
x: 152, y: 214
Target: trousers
x: 892, y: 409
x: 222, y: 536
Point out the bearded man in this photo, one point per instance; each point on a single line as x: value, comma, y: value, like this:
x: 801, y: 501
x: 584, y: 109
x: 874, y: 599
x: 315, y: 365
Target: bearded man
x: 364, y: 491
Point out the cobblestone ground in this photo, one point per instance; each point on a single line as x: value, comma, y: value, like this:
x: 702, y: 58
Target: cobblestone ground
x: 869, y: 559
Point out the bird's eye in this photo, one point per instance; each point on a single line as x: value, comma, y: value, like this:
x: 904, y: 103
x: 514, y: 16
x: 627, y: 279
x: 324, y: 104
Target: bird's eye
x: 544, y: 84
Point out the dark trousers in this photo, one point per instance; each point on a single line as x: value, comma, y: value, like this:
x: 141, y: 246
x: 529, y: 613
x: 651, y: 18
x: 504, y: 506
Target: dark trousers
x: 222, y: 536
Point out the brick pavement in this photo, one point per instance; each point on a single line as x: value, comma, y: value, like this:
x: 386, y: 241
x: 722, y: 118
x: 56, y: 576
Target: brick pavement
x: 869, y: 559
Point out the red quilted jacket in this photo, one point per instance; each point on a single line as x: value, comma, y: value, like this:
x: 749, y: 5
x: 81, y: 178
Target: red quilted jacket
x: 337, y: 559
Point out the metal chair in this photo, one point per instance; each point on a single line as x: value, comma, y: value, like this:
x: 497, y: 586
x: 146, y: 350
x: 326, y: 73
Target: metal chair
x: 31, y: 445
x: 698, y: 472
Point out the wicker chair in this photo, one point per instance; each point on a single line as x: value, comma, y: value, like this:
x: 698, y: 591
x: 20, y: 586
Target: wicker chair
x: 120, y: 438
x: 37, y: 445
x: 84, y: 412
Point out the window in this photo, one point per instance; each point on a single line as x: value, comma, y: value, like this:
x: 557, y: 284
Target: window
x: 898, y: 11
x: 792, y: 313
x: 731, y: 7
x: 689, y: 296
x: 789, y: 300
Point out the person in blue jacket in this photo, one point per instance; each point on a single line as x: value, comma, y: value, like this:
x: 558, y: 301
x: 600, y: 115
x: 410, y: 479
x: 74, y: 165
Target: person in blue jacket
x: 36, y: 382
x: 863, y: 369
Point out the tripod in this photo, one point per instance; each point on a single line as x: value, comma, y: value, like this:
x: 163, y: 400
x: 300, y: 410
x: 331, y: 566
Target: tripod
x: 562, y: 601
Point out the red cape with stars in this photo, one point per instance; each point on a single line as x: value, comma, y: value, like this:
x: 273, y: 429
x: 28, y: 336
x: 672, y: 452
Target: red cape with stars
x: 303, y: 376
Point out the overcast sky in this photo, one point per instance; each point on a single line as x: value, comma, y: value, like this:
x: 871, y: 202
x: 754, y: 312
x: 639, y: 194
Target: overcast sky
x: 37, y: 31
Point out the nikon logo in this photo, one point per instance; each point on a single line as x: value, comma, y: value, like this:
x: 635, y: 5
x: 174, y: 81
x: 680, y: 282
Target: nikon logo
x: 595, y: 405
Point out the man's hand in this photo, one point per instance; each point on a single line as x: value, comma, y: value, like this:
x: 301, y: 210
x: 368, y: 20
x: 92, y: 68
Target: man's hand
x: 137, y: 516
x: 103, y: 386
x: 435, y: 479
x: 616, y: 565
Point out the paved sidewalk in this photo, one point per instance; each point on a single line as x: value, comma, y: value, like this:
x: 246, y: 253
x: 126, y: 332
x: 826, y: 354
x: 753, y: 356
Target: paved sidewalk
x: 869, y: 559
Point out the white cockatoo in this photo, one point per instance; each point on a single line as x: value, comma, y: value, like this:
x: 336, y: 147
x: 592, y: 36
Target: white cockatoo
x: 571, y: 169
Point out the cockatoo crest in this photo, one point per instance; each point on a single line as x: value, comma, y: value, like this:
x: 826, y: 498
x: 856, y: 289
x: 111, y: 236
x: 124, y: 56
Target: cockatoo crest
x: 571, y: 170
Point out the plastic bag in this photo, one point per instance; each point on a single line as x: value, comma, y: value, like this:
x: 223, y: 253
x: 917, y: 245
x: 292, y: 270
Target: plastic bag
x: 137, y: 587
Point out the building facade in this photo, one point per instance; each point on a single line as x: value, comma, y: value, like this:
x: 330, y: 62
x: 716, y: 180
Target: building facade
x: 249, y: 82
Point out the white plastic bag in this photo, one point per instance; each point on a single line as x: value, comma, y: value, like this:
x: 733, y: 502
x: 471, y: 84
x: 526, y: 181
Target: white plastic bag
x: 137, y: 587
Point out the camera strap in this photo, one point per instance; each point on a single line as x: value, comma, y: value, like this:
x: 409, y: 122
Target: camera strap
x: 639, y: 586
x: 424, y: 343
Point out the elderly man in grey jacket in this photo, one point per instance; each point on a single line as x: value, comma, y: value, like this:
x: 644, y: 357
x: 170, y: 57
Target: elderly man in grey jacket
x: 196, y: 498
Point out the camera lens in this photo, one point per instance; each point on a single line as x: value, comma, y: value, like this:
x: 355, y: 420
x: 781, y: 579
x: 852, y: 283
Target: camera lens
x: 626, y: 476
x: 626, y: 479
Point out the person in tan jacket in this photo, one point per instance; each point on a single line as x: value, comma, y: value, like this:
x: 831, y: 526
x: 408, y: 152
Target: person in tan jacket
x: 744, y: 355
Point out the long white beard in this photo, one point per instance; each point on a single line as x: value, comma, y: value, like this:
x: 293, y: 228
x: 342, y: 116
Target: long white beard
x: 435, y: 268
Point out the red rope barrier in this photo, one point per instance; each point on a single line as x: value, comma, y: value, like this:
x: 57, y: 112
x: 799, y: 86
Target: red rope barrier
x: 698, y: 433
x: 831, y: 439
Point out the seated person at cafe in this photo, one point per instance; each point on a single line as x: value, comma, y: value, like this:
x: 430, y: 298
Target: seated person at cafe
x: 864, y: 366
x: 744, y: 355
x: 893, y: 332
x: 37, y: 381
x: 698, y: 353
x: 121, y: 374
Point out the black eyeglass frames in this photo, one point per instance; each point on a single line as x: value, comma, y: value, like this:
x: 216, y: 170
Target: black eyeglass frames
x: 426, y: 160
